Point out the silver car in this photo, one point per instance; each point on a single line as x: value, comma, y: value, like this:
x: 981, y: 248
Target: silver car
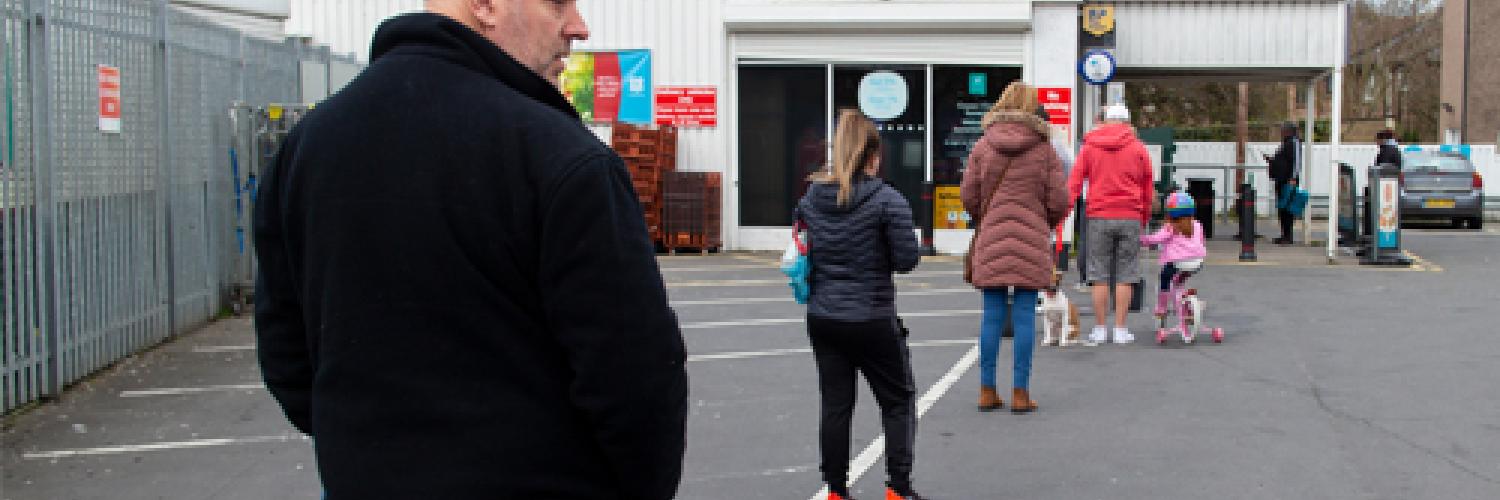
x: 1441, y: 186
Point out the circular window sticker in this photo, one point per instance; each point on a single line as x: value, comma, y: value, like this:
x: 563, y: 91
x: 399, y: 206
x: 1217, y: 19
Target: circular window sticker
x: 1097, y: 67
x: 882, y: 95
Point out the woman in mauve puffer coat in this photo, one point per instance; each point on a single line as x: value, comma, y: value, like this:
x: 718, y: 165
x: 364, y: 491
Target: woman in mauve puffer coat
x: 1012, y: 260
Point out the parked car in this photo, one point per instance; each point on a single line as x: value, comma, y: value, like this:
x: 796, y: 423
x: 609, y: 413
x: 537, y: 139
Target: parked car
x: 1444, y: 186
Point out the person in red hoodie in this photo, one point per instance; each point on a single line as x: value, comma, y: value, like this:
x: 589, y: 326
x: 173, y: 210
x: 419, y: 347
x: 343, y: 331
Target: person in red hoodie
x: 1117, y: 169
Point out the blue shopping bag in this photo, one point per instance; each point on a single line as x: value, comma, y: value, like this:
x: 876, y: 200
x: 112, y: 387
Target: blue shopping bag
x: 795, y: 265
x: 1293, y: 199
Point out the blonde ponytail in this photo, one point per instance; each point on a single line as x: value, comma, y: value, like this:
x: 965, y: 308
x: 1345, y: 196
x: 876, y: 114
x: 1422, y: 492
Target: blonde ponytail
x: 855, y: 144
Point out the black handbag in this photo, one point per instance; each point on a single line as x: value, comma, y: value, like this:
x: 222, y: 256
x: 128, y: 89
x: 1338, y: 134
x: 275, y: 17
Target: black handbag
x: 1137, y: 290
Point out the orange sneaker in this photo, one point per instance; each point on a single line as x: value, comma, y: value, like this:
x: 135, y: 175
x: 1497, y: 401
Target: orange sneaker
x: 891, y: 494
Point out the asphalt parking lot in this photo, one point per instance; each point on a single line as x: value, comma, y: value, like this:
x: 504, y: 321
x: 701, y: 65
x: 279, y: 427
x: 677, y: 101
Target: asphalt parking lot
x: 1334, y: 382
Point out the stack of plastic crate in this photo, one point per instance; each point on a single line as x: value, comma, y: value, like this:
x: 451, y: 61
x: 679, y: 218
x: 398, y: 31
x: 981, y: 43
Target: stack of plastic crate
x: 693, y: 211
x: 649, y: 154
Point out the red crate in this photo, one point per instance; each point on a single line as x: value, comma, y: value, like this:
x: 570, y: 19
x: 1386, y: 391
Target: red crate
x: 649, y: 155
x: 691, y: 211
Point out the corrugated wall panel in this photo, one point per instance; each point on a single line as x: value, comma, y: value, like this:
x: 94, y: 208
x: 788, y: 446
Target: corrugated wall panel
x: 1227, y: 34
x: 686, y: 38
x: 345, y: 26
x: 927, y: 48
x: 257, y: 26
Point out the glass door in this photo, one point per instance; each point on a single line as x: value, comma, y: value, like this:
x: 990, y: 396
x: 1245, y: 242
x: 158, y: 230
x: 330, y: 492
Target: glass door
x: 961, y: 96
x: 895, y: 97
x: 783, y: 138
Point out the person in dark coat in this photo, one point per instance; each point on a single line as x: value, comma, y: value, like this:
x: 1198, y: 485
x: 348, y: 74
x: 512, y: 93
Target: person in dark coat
x: 457, y: 296
x: 1389, y: 152
x: 1286, y: 170
x: 860, y: 231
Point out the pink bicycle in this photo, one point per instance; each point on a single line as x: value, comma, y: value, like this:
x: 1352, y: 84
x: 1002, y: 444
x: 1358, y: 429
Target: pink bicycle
x: 1187, y: 306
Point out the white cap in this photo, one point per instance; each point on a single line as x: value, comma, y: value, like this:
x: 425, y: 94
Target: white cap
x: 1117, y: 112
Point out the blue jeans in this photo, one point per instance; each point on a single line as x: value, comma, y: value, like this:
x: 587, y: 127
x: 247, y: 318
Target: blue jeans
x: 1022, y: 314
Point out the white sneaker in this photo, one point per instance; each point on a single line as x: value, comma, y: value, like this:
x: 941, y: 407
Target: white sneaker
x: 1100, y: 335
x: 1123, y: 336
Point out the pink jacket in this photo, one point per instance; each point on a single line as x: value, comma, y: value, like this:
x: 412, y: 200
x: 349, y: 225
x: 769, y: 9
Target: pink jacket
x: 1176, y: 247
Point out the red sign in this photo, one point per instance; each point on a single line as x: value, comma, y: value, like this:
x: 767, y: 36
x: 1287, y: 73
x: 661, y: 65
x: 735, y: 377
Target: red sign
x: 1058, y: 101
x: 109, y: 98
x: 607, y: 86
x: 688, y: 106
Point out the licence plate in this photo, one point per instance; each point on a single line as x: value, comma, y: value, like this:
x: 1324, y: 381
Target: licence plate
x: 1438, y: 204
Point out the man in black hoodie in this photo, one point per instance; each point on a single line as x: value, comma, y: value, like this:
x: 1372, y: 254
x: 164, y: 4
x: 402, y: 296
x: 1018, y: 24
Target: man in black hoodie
x: 1389, y: 152
x: 1286, y: 171
x: 457, y: 295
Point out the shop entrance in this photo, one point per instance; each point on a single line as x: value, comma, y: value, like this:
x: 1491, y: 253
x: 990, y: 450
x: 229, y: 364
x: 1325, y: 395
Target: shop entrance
x: 928, y: 117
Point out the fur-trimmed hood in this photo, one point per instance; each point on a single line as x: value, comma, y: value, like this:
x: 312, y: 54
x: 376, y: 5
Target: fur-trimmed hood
x: 1007, y: 116
x: 1013, y: 132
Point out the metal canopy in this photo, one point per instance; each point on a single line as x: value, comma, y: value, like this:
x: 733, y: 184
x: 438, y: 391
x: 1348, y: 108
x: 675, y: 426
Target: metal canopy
x: 1286, y: 41
x: 1233, y: 75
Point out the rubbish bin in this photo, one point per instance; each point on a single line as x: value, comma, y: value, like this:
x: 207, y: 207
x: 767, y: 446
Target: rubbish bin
x: 1202, y: 191
x: 1349, y: 227
x: 1385, y: 200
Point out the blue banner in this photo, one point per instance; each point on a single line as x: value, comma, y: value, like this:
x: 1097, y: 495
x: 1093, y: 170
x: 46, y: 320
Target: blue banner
x: 635, y: 91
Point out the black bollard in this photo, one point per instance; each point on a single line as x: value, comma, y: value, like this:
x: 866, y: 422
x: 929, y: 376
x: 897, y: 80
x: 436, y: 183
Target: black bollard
x: 1080, y: 240
x: 929, y: 203
x: 1247, y: 223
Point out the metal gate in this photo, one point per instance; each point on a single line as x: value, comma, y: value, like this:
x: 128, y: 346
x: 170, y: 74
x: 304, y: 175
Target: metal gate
x: 257, y: 133
x: 111, y: 241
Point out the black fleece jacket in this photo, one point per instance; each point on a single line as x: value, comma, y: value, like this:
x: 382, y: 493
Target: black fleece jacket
x: 457, y: 297
x: 1284, y: 166
x: 854, y: 248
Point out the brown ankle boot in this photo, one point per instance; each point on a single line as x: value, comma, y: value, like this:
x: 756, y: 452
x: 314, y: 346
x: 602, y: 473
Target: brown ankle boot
x: 989, y: 400
x: 1020, y: 401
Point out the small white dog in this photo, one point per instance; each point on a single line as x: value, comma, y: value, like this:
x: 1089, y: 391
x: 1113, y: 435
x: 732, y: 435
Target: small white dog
x: 1059, y: 316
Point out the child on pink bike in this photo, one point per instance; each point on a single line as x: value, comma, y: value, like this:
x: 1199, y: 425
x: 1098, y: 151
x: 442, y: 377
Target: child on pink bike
x: 1181, y: 242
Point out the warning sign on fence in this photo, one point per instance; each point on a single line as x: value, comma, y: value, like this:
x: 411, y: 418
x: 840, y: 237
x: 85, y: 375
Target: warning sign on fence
x: 109, y: 99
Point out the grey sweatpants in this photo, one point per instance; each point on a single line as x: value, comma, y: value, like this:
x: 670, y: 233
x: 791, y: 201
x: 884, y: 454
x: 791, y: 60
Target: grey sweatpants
x: 1114, y: 247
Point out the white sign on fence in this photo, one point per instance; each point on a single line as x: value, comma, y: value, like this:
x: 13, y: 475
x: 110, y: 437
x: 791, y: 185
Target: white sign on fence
x: 109, y: 99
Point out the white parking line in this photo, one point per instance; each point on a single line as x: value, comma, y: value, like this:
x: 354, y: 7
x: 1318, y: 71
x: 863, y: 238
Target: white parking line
x: 787, y: 299
x: 172, y: 445
x: 173, y: 391
x: 743, y: 322
x: 867, y: 458
x: 717, y: 268
x: 731, y: 302
x: 223, y: 348
x: 782, y: 281
x: 785, y: 321
x: 790, y: 352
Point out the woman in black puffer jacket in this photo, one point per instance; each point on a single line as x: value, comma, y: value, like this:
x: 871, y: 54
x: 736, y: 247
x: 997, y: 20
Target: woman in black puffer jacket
x: 860, y: 231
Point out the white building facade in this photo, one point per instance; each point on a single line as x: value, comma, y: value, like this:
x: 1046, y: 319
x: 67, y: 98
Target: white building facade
x: 926, y: 69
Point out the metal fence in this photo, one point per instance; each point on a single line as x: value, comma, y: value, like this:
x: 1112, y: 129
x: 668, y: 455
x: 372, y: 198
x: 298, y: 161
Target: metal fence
x: 112, y: 242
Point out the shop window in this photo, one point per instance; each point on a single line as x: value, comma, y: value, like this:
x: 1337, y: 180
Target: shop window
x: 895, y: 97
x: 961, y: 95
x: 783, y: 138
